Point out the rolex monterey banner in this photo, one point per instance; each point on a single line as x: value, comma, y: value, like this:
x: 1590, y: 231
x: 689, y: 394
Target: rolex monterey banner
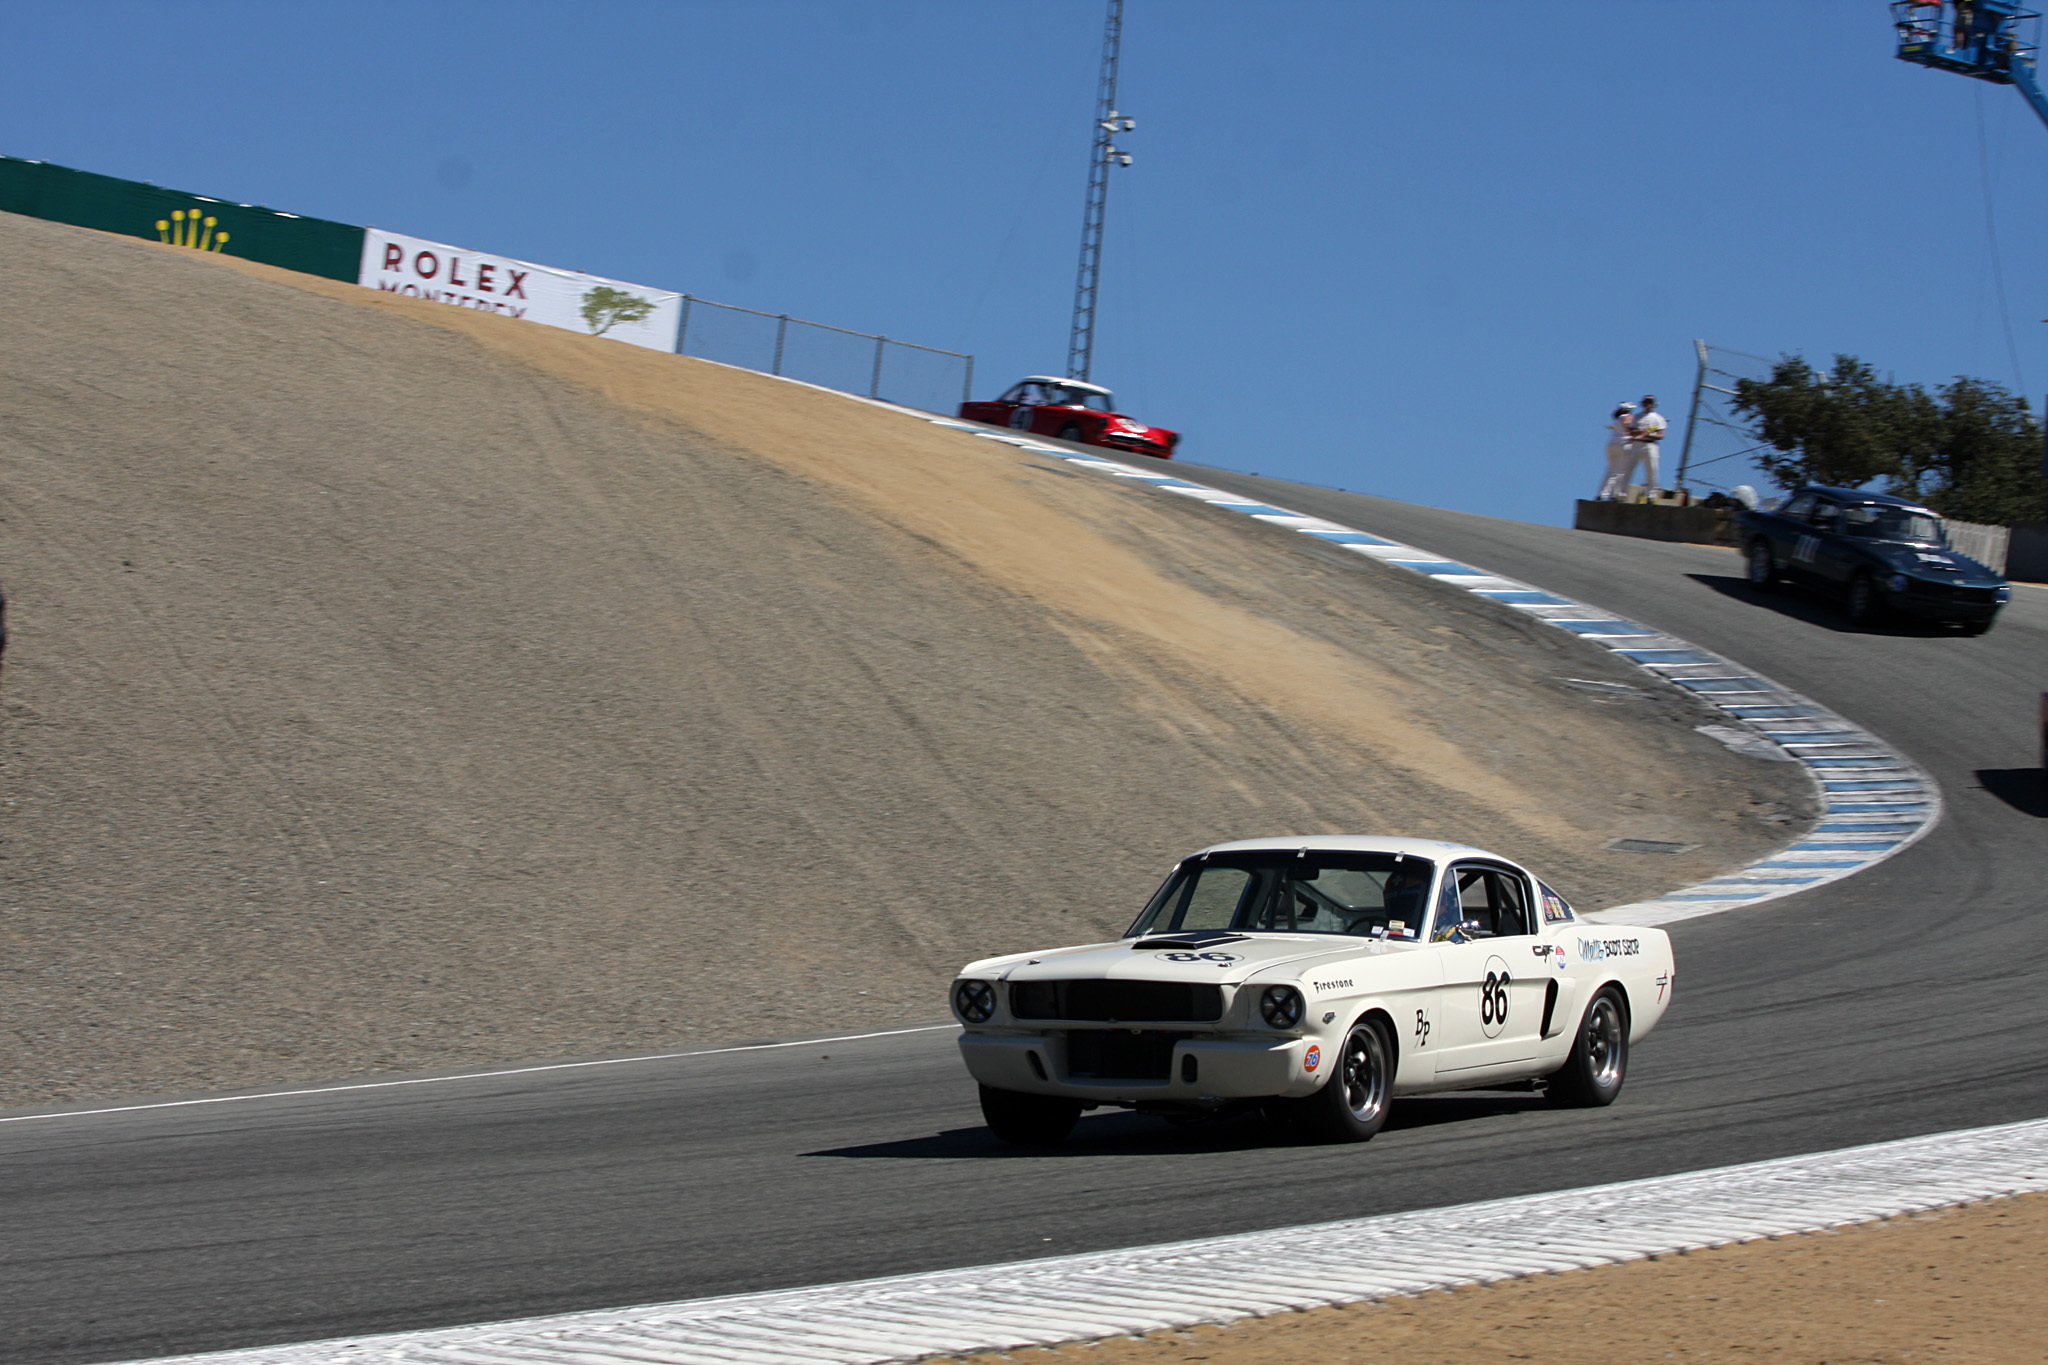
x: 590, y: 304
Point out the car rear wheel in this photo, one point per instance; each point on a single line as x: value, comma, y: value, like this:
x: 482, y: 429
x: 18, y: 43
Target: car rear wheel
x: 1028, y: 1120
x: 1353, y: 1103
x: 1864, y: 608
x: 1763, y: 569
x: 1072, y: 432
x: 1598, y: 1063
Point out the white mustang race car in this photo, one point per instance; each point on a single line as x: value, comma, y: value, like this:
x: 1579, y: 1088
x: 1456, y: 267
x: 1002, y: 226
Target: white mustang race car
x: 1316, y: 979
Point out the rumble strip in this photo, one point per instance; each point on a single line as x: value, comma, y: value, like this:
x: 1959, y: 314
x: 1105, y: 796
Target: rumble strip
x: 1877, y: 802
x: 1222, y: 1279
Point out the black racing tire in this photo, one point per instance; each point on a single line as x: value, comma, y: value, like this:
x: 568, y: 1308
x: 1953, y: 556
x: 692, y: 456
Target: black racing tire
x: 1028, y: 1120
x: 1598, y: 1064
x: 1975, y: 627
x: 1763, y: 566
x: 1864, y: 606
x: 1072, y: 432
x: 1353, y: 1103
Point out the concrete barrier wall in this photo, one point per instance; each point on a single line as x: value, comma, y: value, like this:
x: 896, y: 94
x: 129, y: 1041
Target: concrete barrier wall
x: 2026, y: 556
x: 1651, y: 521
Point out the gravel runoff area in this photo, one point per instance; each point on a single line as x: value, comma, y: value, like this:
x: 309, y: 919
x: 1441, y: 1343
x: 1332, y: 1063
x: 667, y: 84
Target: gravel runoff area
x: 1957, y: 1286
x: 399, y: 688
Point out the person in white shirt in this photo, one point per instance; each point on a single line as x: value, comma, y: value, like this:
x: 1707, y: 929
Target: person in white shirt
x: 1620, y: 459
x: 1649, y: 430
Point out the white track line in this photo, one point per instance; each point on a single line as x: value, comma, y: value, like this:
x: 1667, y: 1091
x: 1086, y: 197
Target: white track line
x: 467, y: 1075
x: 1222, y: 1279
x: 1876, y: 803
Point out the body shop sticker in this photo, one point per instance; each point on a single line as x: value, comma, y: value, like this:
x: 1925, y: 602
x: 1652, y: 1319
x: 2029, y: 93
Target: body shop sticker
x: 1312, y: 1060
x: 1600, y: 949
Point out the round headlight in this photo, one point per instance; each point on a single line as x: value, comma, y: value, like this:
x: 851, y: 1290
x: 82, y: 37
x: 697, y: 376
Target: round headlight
x: 974, y: 1001
x: 1281, y: 1006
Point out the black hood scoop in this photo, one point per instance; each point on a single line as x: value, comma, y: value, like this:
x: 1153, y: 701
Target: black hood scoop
x: 1208, y: 939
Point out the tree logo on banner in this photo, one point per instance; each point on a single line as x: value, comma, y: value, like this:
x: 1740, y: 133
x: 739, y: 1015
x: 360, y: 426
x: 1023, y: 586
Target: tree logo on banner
x: 605, y: 308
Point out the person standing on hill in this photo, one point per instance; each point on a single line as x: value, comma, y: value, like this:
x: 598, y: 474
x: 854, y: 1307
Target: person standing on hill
x: 1620, y: 459
x: 1649, y: 429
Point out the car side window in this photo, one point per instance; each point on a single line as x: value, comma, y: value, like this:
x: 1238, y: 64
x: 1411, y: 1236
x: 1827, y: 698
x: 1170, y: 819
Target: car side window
x: 1799, y: 507
x: 1826, y: 515
x: 1511, y: 908
x: 1450, y: 909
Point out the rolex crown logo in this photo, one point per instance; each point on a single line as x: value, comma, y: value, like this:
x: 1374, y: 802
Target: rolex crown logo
x: 185, y: 227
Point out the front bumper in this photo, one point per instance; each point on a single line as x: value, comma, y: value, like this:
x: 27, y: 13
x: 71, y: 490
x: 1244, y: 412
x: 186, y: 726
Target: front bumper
x: 1137, y: 445
x: 1223, y: 1068
x: 1927, y: 606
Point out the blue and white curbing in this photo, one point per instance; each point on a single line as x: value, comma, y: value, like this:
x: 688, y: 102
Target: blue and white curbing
x: 1226, y: 1279
x: 1876, y: 802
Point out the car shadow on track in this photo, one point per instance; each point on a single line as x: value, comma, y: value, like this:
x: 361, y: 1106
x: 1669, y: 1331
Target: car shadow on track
x: 1125, y: 1134
x: 1814, y: 608
x: 2024, y: 789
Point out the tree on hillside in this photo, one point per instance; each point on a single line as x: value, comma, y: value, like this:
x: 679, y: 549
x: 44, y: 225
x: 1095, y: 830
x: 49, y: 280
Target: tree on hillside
x: 1970, y: 450
x: 1845, y: 427
x: 605, y: 308
x: 1985, y: 464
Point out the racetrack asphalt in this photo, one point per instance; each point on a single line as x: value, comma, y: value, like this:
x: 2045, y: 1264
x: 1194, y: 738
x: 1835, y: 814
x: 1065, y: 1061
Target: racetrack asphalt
x: 1899, y: 1002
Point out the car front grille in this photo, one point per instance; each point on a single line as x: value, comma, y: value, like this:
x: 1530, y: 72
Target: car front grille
x: 1114, y: 1001
x: 1951, y: 592
x: 1121, y: 1054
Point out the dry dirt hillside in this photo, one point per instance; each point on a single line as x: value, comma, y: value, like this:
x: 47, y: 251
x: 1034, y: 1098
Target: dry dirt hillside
x: 396, y: 688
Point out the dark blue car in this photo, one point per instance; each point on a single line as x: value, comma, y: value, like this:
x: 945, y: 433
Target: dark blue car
x: 1882, y: 555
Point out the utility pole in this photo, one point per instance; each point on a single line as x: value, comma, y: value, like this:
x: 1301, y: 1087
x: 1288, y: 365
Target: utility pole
x: 1104, y: 154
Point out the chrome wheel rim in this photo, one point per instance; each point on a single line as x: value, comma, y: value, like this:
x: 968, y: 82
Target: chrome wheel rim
x: 1759, y: 566
x: 1364, y: 1076
x: 1859, y: 598
x: 1604, y: 1043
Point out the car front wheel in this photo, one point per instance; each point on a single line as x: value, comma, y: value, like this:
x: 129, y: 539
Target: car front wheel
x: 1763, y: 569
x: 1353, y: 1103
x: 1072, y: 432
x: 1028, y: 1120
x: 1598, y: 1063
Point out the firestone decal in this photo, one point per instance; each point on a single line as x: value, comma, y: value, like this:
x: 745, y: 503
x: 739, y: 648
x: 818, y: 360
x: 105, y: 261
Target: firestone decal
x: 1332, y: 985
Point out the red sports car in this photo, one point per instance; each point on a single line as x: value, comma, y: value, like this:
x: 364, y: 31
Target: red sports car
x: 1071, y: 411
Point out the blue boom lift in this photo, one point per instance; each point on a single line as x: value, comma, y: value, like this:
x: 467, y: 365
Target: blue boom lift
x: 1977, y: 38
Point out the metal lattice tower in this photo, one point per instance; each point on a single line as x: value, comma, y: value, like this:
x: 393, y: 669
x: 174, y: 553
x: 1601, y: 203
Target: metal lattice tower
x: 1108, y: 123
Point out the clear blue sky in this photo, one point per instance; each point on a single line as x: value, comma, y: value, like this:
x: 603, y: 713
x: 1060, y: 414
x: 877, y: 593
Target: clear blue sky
x: 1414, y: 249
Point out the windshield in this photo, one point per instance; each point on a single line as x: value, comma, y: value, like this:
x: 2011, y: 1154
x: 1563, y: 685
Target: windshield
x: 1079, y: 398
x: 1874, y: 521
x: 1374, y: 895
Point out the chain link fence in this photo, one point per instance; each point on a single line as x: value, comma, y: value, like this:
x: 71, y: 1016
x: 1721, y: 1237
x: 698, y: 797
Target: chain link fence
x: 902, y: 372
